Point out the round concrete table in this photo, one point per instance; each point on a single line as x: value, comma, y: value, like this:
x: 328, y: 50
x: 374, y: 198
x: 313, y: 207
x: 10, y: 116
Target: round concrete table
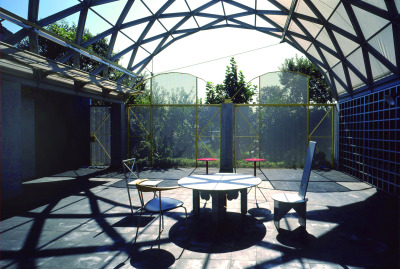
x: 255, y: 160
x: 220, y: 186
x: 207, y: 160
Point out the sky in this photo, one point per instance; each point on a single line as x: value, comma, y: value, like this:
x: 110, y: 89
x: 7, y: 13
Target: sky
x: 205, y: 54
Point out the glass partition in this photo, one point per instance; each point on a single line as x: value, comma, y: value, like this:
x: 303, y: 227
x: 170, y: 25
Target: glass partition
x: 175, y: 128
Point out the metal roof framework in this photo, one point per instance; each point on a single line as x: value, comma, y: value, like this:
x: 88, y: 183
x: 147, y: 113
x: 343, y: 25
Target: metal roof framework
x: 354, y: 43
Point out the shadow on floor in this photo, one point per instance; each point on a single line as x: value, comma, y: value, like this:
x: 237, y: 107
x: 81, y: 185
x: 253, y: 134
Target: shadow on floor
x: 365, y: 235
x: 358, y: 233
x: 40, y: 192
x: 235, y: 233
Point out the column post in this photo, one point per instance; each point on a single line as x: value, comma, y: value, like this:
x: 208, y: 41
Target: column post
x: 226, y: 137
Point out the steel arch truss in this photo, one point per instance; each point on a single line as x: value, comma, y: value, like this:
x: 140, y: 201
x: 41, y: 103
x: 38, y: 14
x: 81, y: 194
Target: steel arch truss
x: 354, y: 43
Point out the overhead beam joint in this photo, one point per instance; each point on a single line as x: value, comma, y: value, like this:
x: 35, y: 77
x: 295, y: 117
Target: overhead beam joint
x: 288, y: 20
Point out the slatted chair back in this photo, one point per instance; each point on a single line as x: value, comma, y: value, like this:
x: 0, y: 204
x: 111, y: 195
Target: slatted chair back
x: 307, y: 169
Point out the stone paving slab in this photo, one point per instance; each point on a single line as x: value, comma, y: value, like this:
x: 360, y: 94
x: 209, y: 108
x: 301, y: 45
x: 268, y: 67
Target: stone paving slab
x: 89, y: 224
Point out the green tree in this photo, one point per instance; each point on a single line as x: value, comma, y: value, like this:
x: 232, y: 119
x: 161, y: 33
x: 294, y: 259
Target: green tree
x: 214, y: 94
x: 233, y: 87
x: 319, y: 90
x: 53, y: 51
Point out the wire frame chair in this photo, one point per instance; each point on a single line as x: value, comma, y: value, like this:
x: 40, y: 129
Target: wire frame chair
x: 130, y: 173
x: 157, y: 205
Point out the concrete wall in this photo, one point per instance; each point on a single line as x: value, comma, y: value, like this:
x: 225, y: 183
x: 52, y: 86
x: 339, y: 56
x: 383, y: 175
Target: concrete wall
x: 42, y: 133
x: 11, y: 176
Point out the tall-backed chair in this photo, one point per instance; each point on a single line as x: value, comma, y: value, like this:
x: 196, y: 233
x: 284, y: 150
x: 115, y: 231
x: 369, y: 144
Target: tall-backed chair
x: 157, y: 205
x: 284, y: 202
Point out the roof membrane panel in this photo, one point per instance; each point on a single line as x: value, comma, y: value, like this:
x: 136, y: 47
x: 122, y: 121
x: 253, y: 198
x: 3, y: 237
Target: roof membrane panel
x: 295, y: 28
x: 304, y: 9
x: 378, y: 69
x: 379, y: 4
x: 351, y: 22
x: 278, y: 19
x: 303, y: 43
x: 338, y: 69
x: 321, y: 68
x: 332, y: 60
x: 325, y: 7
x: 339, y: 87
x: 324, y: 38
x: 312, y: 28
x: 313, y: 52
x: 369, y: 23
x: 285, y: 3
x: 346, y: 45
x: 357, y: 59
x: 384, y: 44
x: 342, y: 20
x: 355, y: 80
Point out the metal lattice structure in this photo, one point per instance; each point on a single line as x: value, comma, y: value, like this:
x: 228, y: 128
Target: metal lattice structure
x: 354, y: 43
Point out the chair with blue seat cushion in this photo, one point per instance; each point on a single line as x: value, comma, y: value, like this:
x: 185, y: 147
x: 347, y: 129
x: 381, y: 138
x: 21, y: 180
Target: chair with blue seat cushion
x: 157, y: 205
x: 131, y: 175
x: 284, y: 202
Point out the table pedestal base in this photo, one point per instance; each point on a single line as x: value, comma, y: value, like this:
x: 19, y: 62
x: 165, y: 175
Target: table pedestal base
x: 218, y: 205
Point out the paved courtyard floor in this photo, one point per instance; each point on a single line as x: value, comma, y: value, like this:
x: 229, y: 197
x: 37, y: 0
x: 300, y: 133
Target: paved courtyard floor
x: 82, y: 219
